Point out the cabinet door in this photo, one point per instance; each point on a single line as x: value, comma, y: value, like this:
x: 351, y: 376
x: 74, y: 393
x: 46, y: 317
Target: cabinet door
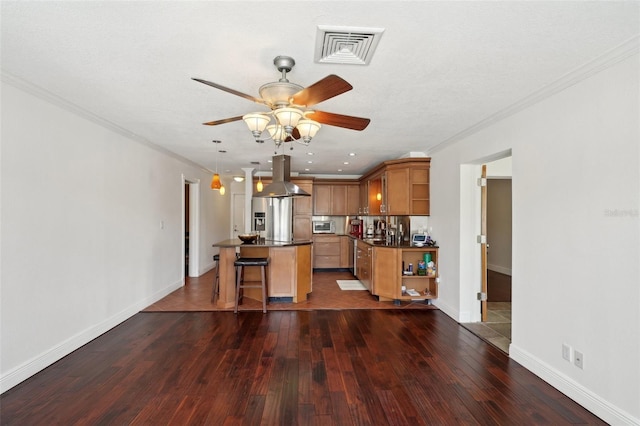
x: 375, y: 196
x: 387, y: 272
x: 363, y: 209
x: 397, y: 196
x: 304, y: 205
x: 302, y: 227
x: 346, y: 252
x: 353, y: 199
x: 322, y: 200
x: 338, y: 200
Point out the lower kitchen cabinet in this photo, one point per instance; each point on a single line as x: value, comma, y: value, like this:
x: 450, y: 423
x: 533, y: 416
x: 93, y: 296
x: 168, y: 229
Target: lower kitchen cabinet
x: 390, y: 274
x: 326, y: 251
x: 363, y: 266
x: 346, y: 252
x: 332, y: 251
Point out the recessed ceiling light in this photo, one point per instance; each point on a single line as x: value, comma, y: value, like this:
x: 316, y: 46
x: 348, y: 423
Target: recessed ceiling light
x: 352, y: 154
x: 310, y: 162
x: 309, y: 153
x: 339, y: 170
x: 306, y: 170
x: 345, y: 163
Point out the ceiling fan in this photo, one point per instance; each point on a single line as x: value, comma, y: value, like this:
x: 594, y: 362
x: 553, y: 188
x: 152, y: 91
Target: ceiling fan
x: 289, y: 104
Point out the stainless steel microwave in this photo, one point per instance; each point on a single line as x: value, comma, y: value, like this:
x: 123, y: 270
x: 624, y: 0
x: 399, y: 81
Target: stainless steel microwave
x: 324, y: 227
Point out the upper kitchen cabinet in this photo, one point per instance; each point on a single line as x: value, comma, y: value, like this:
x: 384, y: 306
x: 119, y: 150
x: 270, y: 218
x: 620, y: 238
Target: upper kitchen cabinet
x: 333, y: 198
x: 375, y: 201
x: 321, y: 199
x: 398, y: 188
x: 353, y: 199
x: 302, y: 211
x: 396, y: 194
x: 303, y: 205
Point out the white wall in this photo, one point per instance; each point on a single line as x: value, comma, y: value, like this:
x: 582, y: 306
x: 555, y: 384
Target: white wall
x: 82, y: 243
x: 576, y: 235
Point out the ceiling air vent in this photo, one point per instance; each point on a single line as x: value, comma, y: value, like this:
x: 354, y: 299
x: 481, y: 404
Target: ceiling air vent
x: 346, y: 45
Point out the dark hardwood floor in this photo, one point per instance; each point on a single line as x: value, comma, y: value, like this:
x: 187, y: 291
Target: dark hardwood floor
x: 342, y: 367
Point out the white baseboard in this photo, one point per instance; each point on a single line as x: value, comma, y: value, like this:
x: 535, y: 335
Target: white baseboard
x: 40, y: 362
x: 206, y: 268
x: 574, y: 390
x: 499, y: 269
x: 447, y: 309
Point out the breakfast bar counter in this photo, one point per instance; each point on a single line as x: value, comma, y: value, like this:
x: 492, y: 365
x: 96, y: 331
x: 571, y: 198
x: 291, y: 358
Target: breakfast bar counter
x: 289, y: 274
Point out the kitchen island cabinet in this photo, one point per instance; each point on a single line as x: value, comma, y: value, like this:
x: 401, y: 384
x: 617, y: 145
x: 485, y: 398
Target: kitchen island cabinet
x: 289, y: 274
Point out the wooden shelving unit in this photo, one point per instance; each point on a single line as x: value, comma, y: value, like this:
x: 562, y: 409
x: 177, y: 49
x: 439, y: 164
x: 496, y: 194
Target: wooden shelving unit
x: 389, y: 277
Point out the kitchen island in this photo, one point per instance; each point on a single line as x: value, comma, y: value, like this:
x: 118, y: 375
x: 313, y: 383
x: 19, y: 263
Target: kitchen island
x: 289, y: 274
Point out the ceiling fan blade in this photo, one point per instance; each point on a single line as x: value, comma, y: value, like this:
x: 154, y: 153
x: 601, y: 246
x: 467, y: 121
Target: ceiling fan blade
x: 233, y: 92
x: 338, y: 120
x: 327, y: 88
x: 295, y: 135
x: 223, y: 121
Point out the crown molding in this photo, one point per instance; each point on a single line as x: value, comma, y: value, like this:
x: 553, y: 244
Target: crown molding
x: 619, y: 53
x: 54, y: 99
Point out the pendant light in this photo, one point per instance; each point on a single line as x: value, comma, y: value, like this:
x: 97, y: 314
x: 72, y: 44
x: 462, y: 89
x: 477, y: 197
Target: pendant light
x: 216, y: 184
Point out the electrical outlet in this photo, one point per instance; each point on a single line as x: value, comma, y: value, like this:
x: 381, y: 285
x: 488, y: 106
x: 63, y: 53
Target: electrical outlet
x: 578, y: 359
x: 566, y: 352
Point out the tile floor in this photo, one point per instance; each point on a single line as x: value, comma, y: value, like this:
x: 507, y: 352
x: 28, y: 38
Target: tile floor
x: 497, y: 329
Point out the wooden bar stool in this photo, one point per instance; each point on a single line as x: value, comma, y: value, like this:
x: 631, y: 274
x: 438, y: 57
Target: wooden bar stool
x: 216, y: 281
x: 262, y: 262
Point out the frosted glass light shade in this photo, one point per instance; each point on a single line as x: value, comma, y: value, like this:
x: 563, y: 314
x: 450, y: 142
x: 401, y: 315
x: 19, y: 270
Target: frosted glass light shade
x: 277, y: 132
x: 256, y: 122
x: 308, y: 129
x: 288, y: 117
x: 222, y: 190
x: 259, y: 186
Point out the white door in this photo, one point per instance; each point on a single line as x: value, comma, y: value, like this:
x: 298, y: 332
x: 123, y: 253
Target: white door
x: 237, y: 216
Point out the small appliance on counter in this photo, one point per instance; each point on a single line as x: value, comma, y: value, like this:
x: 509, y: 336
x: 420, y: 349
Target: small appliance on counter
x: 419, y: 240
x: 324, y: 227
x: 422, y: 240
x: 355, y: 228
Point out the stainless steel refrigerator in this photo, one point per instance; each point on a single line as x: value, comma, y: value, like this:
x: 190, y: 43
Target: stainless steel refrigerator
x: 273, y: 218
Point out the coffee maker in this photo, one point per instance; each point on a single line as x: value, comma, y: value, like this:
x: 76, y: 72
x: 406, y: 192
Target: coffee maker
x: 355, y: 228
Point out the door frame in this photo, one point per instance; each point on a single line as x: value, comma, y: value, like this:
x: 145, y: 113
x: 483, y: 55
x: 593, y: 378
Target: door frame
x: 470, y: 228
x: 194, y: 226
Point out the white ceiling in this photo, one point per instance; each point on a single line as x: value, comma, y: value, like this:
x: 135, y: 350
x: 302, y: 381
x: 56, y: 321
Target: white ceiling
x: 440, y: 68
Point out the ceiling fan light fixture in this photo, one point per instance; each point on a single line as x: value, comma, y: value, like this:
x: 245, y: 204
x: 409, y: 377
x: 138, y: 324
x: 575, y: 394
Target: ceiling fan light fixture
x: 288, y: 118
x: 256, y: 122
x: 308, y: 129
x: 277, y: 132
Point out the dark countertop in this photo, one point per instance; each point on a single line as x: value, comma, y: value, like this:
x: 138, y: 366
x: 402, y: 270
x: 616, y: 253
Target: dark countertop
x: 383, y: 243
x: 261, y: 243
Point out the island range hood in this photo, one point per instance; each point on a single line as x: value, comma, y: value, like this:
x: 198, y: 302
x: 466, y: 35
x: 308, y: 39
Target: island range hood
x: 281, y: 186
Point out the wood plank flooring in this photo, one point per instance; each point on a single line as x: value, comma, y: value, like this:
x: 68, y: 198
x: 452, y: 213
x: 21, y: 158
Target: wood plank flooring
x: 341, y: 367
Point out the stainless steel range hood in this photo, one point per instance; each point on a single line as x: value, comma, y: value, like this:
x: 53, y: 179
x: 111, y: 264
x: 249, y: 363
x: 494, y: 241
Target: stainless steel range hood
x: 281, y: 185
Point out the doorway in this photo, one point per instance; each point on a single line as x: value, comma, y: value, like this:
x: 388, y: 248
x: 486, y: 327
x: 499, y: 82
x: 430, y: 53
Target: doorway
x: 490, y: 218
x: 191, y: 227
